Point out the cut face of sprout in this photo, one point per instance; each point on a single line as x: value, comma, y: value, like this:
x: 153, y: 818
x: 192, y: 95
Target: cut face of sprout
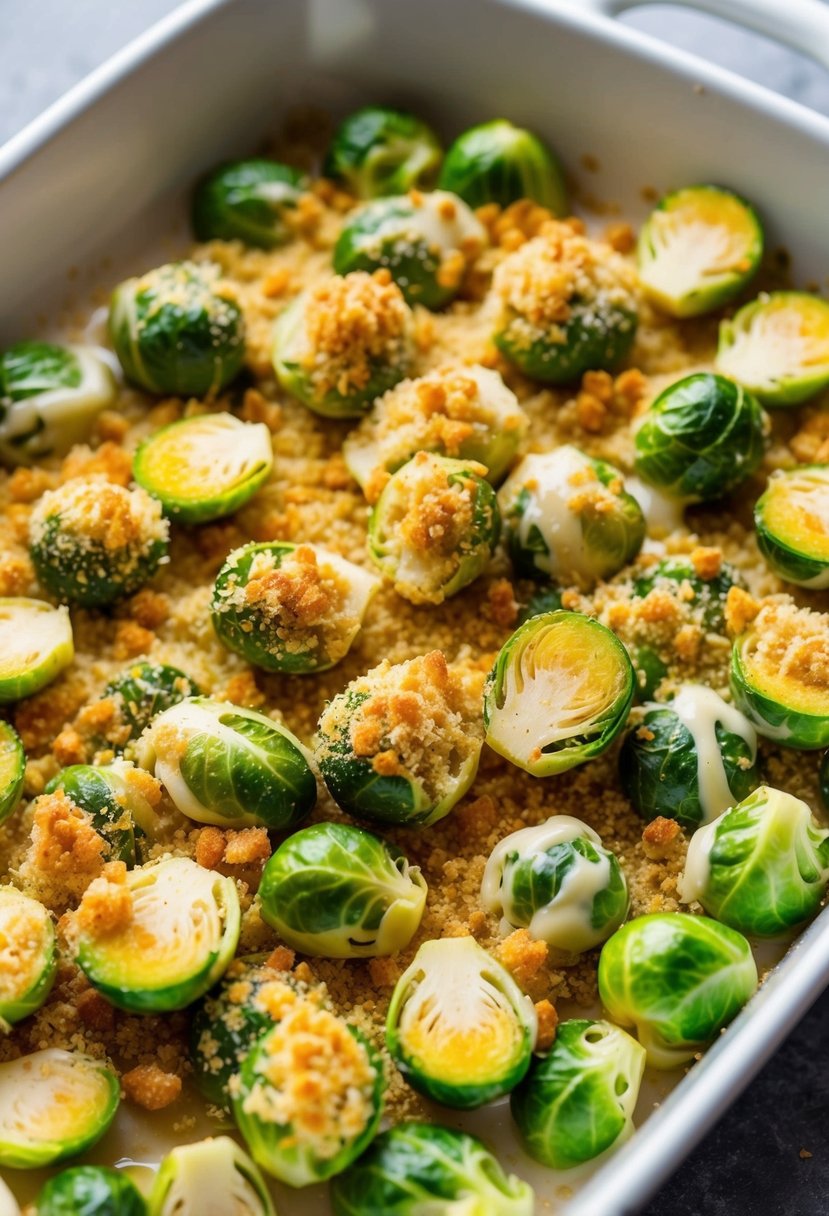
x: 778, y: 347
x: 211, y: 1178
x: 35, y: 646
x: 792, y: 522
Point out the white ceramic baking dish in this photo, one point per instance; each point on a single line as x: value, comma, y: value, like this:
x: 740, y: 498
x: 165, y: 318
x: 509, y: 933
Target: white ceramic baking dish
x: 109, y: 166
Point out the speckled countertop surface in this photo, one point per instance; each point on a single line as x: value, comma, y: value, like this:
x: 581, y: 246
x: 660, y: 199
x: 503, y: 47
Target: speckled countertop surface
x: 755, y: 1162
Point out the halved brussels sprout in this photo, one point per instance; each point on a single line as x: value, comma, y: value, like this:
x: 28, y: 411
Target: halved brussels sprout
x: 579, y: 1099
x: 425, y: 241
x: 379, y: 151
x: 12, y: 770
x: 777, y: 347
x: 558, y: 881
x: 679, y: 979
x: 113, y: 798
x: 230, y: 766
x: 210, y: 1178
x: 336, y: 891
x: 568, y: 517
x: 144, y: 690
x: 248, y: 201
x: 49, y: 397
x: 155, y: 938
x: 28, y: 954
x: 204, y: 467
x: 700, y: 438
x: 497, y: 162
x: 53, y: 1105
x: 559, y: 693
x: 35, y: 646
x: 339, y: 345
x: 177, y: 330
x: 680, y: 578
x: 459, y: 1028
x: 434, y: 528
x: 418, y: 1168
x: 90, y: 1190
x: 762, y: 867
x: 792, y: 522
x: 93, y: 542
x: 698, y: 249
x: 690, y: 759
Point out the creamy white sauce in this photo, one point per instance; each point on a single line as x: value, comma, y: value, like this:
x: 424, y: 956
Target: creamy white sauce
x: 695, y: 876
x: 663, y: 514
x: 699, y: 709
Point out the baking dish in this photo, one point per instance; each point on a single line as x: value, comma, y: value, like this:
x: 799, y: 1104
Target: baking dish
x: 107, y: 165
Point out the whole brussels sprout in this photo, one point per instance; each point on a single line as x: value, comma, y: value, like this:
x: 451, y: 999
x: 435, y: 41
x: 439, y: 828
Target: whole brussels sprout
x: 559, y: 882
x: 12, y: 770
x: 690, y: 759
x: 379, y: 151
x: 777, y: 347
x: 823, y: 781
x: 678, y: 979
x: 700, y: 438
x: 568, y: 517
x: 680, y: 578
x: 792, y: 523
x: 459, y: 1028
x: 177, y: 330
x: 230, y: 766
x: 497, y: 162
x: 144, y: 690
x: 28, y: 935
x: 114, y: 799
x: 36, y: 645
x: 547, y: 599
x: 90, y: 1190
x: 210, y: 1178
x: 761, y: 867
x: 579, y: 1098
x: 249, y: 201
x: 416, y: 1168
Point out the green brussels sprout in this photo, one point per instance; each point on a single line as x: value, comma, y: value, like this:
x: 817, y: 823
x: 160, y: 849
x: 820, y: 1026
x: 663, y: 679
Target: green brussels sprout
x: 777, y: 347
x: 689, y: 760
x: 559, y: 693
x: 229, y: 766
x: 144, y: 690
x: 177, y: 330
x: 579, y: 1099
x: 211, y: 1178
x: 49, y: 397
x: 418, y: 1168
x: 113, y: 798
x: 697, y: 250
x: 548, y: 599
x: 290, y: 608
x: 568, y: 517
x: 176, y: 930
x: 90, y: 1190
x: 53, y: 1104
x: 12, y: 770
x: 434, y: 528
x: 792, y: 522
x: 338, y: 346
x: 249, y: 201
x: 497, y: 162
x: 650, y: 670
x: 762, y: 867
x: 459, y: 1028
x: 302, y: 1132
x: 35, y: 646
x: 425, y: 241
x: 678, y: 979
x: 679, y: 578
x: 93, y: 542
x: 204, y: 467
x: 378, y: 151
x: 558, y: 881
x: 700, y: 439
x: 823, y: 781
x: 27, y: 940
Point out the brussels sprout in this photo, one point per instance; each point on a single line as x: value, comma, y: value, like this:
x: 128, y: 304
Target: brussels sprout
x: 177, y: 330
x: 230, y: 766
x: 678, y: 979
x: 700, y: 438
x: 204, y: 467
x: 499, y: 163
x: 792, y: 522
x: 579, y: 1099
x: 249, y: 201
x: 698, y: 249
x: 27, y: 947
x: 12, y: 770
x: 434, y: 528
x: 425, y: 241
x: 568, y: 517
x: 93, y: 542
x: 689, y: 760
x: 335, y: 891
x: 418, y: 1168
x: 679, y: 577
x: 650, y: 670
x: 211, y: 1178
x: 113, y: 797
x: 170, y: 932
x: 548, y: 599
x: 309, y: 1096
x: 35, y: 646
x: 557, y: 881
x: 459, y: 1028
x: 339, y: 345
x: 777, y: 347
x: 823, y: 780
x: 379, y: 151
x: 559, y: 693
x: 290, y: 608
x: 53, y: 1105
x: 90, y: 1190
x: 144, y: 690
